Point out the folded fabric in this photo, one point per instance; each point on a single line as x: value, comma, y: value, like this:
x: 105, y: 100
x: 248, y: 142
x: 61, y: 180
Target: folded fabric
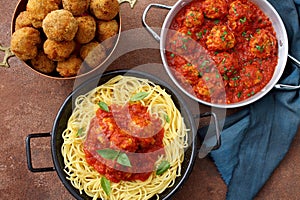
x: 256, y: 139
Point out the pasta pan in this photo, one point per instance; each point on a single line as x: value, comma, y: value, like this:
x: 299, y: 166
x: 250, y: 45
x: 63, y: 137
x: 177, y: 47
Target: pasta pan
x: 279, y: 29
x: 60, y: 124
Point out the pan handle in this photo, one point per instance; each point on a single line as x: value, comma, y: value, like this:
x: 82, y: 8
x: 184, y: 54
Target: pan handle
x: 205, y: 149
x: 7, y: 54
x: 289, y: 87
x: 150, y: 30
x: 28, y: 153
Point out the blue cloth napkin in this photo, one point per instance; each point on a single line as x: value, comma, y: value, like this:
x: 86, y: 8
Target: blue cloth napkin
x: 256, y: 139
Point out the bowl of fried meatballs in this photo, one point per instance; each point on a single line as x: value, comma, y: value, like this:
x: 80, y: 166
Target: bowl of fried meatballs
x: 65, y: 39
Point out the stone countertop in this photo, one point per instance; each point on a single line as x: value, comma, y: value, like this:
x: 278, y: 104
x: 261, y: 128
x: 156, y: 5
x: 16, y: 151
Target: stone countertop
x: 30, y: 102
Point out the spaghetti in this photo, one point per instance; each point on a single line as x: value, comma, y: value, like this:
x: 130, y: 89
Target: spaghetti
x: 119, y: 91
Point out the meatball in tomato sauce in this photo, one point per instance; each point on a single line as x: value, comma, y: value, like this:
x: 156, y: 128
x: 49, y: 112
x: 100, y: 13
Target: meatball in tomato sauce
x: 220, y: 38
x: 214, y: 8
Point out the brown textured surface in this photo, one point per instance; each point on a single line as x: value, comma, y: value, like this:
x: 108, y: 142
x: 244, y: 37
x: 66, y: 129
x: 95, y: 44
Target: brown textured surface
x: 29, y: 104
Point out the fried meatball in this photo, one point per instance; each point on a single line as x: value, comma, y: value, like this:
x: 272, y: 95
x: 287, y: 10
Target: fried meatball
x: 58, y: 51
x: 60, y: 25
x: 104, y: 9
x: 23, y: 20
x: 251, y: 75
x: 262, y: 44
x: 69, y: 67
x: 86, y: 29
x: 220, y: 38
x: 214, y: 8
x: 93, y: 53
x: 24, y: 43
x: 39, y: 9
x: 193, y: 18
x: 106, y: 30
x: 42, y: 63
x: 76, y: 7
x: 226, y: 63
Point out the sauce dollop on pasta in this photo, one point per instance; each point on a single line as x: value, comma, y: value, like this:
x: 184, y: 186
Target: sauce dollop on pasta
x: 129, y: 129
x: 222, y: 51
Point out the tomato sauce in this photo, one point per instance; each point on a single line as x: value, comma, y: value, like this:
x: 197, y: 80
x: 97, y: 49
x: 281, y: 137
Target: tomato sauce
x: 129, y: 129
x: 222, y: 51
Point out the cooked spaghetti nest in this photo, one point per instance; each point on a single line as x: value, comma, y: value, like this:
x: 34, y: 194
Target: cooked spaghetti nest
x: 119, y: 90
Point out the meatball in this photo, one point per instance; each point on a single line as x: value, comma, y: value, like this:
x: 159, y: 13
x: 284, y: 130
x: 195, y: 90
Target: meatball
x: 214, y: 8
x: 239, y: 16
x: 24, y: 43
x: 104, y: 9
x: 262, y: 44
x: 43, y: 64
x: 69, y: 67
x: 58, y: 51
x: 193, y: 18
x: 220, y: 38
x: 86, y: 29
x: 76, y: 7
x: 106, y: 30
x: 38, y: 10
x: 93, y: 53
x: 23, y: 20
x: 251, y: 75
x: 60, y: 25
x: 226, y: 63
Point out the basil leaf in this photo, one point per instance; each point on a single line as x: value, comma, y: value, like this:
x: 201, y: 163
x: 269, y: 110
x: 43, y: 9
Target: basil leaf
x: 123, y: 160
x: 103, y: 106
x: 80, y: 132
x: 162, y: 167
x: 167, y: 118
x: 139, y: 96
x: 109, y: 154
x: 105, y: 184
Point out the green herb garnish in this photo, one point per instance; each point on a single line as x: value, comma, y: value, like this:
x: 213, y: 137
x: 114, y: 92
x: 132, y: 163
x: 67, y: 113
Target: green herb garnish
x: 80, y: 132
x: 139, y: 96
x: 243, y: 20
x: 105, y: 184
x: 103, y: 106
x: 123, y: 160
x: 112, y: 154
x: 162, y: 167
x: 167, y: 118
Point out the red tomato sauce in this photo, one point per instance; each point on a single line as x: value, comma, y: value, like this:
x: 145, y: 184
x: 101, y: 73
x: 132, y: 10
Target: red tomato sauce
x: 222, y: 51
x: 129, y: 129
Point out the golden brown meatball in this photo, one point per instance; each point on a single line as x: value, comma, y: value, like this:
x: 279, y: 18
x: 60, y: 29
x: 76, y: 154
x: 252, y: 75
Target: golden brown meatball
x: 69, y: 67
x: 39, y: 9
x: 58, y: 51
x: 86, y: 29
x: 42, y: 63
x: 104, y: 9
x: 106, y: 30
x: 251, y: 75
x: 76, y: 7
x: 93, y: 53
x: 220, y: 38
x: 193, y: 18
x: 60, y: 25
x: 226, y: 63
x: 214, y: 8
x: 23, y: 20
x: 24, y: 43
x: 239, y: 15
x: 262, y: 44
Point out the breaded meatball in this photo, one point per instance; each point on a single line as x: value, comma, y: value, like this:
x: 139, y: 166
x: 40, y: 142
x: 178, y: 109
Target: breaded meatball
x: 93, y: 53
x: 58, y: 51
x: 251, y: 75
x: 86, y: 29
x: 42, y: 63
x: 263, y: 44
x: 23, y: 20
x: 104, y: 9
x: 220, y: 38
x: 39, y: 9
x: 239, y: 16
x: 60, y: 25
x: 24, y: 43
x: 214, y: 8
x: 76, y: 7
x: 106, y: 30
x: 226, y: 63
x: 193, y: 18
x: 69, y: 67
